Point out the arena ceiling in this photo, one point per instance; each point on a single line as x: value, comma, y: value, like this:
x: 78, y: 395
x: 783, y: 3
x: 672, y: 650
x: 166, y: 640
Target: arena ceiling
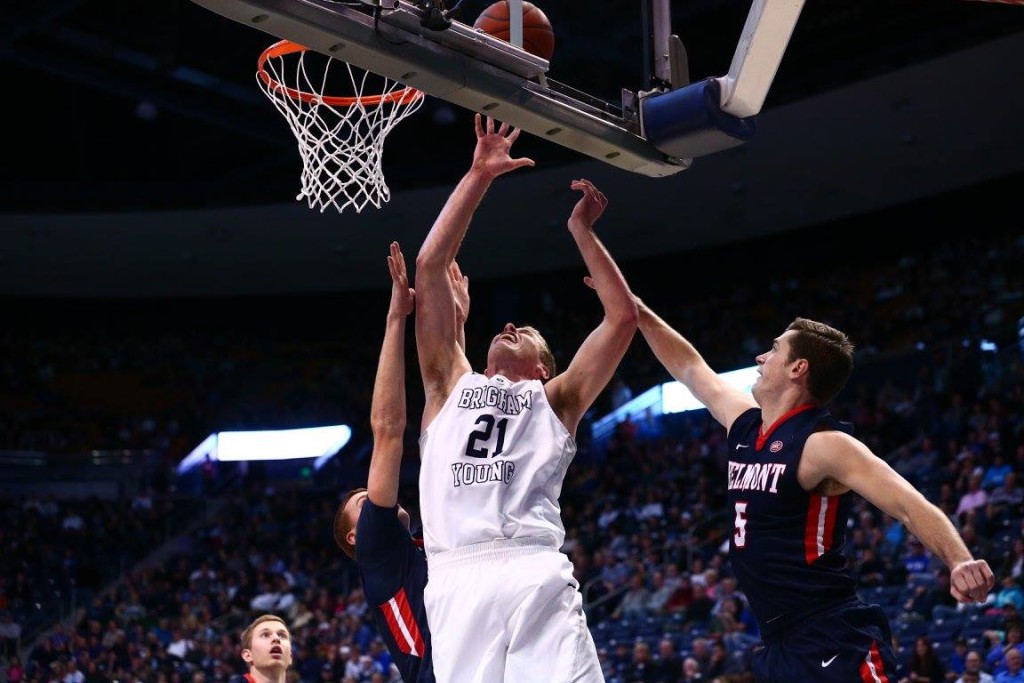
x: 143, y: 160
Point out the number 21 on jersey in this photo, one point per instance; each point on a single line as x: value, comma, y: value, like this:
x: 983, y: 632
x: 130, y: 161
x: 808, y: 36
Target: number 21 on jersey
x: 489, y: 439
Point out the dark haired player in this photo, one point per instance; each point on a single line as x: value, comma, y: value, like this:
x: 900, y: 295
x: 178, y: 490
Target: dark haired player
x: 793, y: 470
x: 391, y: 562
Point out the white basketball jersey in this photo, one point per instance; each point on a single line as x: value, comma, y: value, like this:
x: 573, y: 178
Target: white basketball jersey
x: 492, y: 464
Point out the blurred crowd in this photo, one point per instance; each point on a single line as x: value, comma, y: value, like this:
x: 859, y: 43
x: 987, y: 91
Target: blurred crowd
x: 155, y: 587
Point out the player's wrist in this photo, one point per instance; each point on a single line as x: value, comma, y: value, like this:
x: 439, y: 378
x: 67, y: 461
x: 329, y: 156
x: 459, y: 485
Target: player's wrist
x: 481, y: 174
x: 579, y: 225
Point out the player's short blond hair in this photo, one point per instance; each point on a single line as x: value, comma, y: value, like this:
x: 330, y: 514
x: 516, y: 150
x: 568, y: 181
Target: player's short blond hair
x: 247, y: 633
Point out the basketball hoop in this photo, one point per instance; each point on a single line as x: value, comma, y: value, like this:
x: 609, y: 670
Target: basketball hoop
x: 341, y: 139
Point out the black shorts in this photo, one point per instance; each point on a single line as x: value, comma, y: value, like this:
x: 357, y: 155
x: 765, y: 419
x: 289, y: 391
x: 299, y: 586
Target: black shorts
x: 850, y: 643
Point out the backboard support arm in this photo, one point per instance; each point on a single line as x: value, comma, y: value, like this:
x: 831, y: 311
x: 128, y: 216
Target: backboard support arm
x: 655, y: 133
x: 766, y: 34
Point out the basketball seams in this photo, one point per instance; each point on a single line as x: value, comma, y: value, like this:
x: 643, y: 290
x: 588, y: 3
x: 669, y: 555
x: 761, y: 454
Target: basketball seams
x: 538, y: 34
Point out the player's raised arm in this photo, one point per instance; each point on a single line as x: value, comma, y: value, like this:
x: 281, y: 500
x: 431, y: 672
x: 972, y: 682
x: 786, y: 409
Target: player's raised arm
x: 460, y: 287
x: 387, y: 410
x: 441, y: 359
x: 682, y: 360
x: 836, y: 456
x: 575, y: 390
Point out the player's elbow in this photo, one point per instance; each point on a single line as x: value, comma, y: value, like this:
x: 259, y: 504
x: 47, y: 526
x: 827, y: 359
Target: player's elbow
x: 387, y: 425
x: 431, y: 260
x: 624, y: 318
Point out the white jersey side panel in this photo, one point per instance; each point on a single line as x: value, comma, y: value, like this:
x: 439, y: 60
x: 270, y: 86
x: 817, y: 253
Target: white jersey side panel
x: 492, y: 464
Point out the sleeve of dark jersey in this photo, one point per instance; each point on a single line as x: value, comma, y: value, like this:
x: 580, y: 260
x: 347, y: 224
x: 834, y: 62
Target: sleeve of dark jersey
x: 383, y: 547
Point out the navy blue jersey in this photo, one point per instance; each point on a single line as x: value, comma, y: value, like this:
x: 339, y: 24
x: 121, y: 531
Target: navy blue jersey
x: 393, y: 567
x: 787, y: 544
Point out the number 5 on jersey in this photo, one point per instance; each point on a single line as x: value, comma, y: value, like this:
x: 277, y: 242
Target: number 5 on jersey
x: 739, y: 538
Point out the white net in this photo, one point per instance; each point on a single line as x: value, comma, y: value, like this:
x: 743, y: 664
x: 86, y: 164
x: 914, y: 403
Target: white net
x: 341, y: 138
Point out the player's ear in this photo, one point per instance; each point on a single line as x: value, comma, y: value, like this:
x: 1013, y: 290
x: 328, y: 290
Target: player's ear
x: 247, y: 655
x: 542, y: 373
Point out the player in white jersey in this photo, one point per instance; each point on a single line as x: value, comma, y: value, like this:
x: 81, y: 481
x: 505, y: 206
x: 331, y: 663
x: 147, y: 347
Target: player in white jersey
x: 501, y: 600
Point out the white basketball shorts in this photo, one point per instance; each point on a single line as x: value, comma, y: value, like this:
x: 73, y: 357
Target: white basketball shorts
x: 508, y: 611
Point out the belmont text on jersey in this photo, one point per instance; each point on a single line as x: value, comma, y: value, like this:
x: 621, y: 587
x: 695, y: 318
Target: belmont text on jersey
x: 755, y: 476
x: 495, y: 397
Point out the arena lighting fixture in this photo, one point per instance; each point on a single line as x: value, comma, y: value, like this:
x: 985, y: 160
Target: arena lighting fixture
x: 664, y: 399
x: 321, y: 443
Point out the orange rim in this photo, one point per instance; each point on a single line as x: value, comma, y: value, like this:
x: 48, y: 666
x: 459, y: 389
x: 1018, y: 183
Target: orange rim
x: 287, y: 47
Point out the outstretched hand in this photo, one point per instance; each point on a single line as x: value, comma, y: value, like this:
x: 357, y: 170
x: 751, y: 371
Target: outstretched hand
x: 403, y: 297
x: 460, y: 287
x: 492, y: 154
x: 590, y: 206
x: 971, y: 581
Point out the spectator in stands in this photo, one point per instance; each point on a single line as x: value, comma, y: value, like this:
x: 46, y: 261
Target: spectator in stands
x: 691, y: 672
x: 379, y: 651
x: 1010, y: 593
x: 727, y: 590
x: 995, y: 473
x: 15, y: 671
x: 957, y: 659
x: 10, y: 635
x: 733, y: 624
x: 719, y: 661
x: 975, y: 542
x: 995, y: 660
x: 266, y: 650
x: 274, y: 596
x: 1006, y: 501
x: 668, y: 663
x: 1014, y: 672
x: 700, y: 649
x: 918, y: 560
x: 871, y: 570
x: 924, y: 665
x: 975, y: 497
x: 641, y: 668
x: 633, y: 604
x: 72, y: 674
x: 621, y: 658
x: 661, y: 592
x: 608, y: 669
x: 368, y: 668
x: 681, y: 597
x: 699, y: 611
x: 942, y: 602
x: 894, y: 535
x: 1013, y: 565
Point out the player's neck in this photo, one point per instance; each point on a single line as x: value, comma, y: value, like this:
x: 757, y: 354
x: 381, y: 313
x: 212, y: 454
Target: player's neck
x: 778, y: 407
x: 269, y: 675
x: 509, y: 373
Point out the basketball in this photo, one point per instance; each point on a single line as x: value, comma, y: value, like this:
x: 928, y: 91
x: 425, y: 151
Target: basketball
x: 538, y: 36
